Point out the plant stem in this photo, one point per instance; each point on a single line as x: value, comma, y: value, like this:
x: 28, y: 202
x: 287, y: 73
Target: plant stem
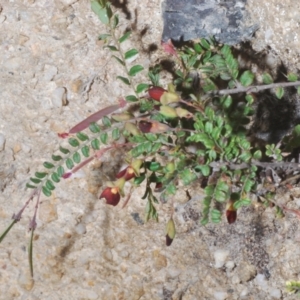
x: 255, y: 88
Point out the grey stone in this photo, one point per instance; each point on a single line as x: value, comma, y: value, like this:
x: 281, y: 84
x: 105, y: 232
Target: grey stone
x: 226, y: 21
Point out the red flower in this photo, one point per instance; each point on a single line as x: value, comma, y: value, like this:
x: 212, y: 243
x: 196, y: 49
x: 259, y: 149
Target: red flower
x: 111, y: 195
x: 156, y: 92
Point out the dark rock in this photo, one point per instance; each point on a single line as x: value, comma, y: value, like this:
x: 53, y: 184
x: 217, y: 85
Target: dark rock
x: 226, y: 20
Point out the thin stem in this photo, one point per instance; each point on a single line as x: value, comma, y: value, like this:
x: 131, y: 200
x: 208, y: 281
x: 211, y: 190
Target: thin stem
x: 255, y: 89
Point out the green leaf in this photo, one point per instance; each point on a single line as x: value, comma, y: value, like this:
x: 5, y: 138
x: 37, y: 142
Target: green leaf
x: 100, y: 11
x: 35, y: 180
x: 220, y: 196
x: 279, y: 92
x: 82, y: 136
x: 151, y: 137
x: 69, y: 163
x: 95, y: 144
x: 250, y: 99
x: 124, y: 37
x: 94, y: 127
x: 119, y: 60
x: 48, y: 165
x: 85, y: 151
x: 106, y: 121
x: 124, y: 80
x: 204, y: 43
x: 209, y: 190
x: 73, y: 142
x: 156, y: 147
x: 115, y: 21
x: 216, y: 215
x: 292, y: 77
x: 245, y: 156
x: 198, y: 48
x: 135, y: 69
x: 76, y: 157
x: 248, y: 185
x: 209, y: 85
x: 49, y: 185
x: 130, y: 53
x: 30, y: 186
x: 267, y: 78
x: 257, y: 155
x: 56, y: 157
x: 104, y: 137
x: 247, y: 78
x: 131, y: 98
x: 40, y: 175
x: 46, y: 191
x: 103, y: 36
x: 116, y: 134
x: 112, y: 48
x: 60, y: 171
x: 226, y: 101
x: 55, y: 177
x: 153, y: 166
x: 208, y: 127
x: 142, y: 87
x: 64, y: 150
x: 205, y: 170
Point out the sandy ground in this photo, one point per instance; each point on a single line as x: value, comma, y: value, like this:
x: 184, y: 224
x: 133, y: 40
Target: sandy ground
x: 53, y: 73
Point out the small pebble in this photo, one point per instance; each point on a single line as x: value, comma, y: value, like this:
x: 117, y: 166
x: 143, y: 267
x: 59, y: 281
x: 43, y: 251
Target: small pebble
x: 59, y: 97
x: 80, y: 228
x: 49, y: 72
x: 220, y: 295
x: 220, y: 256
x: 275, y: 293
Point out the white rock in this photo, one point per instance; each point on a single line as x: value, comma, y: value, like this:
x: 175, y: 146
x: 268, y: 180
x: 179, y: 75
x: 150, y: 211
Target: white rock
x: 275, y: 293
x: 244, y: 293
x: 59, y: 97
x: 49, y: 72
x: 220, y: 256
x: 2, y: 141
x: 220, y: 295
x: 80, y: 228
x: 261, y: 281
x: 230, y: 265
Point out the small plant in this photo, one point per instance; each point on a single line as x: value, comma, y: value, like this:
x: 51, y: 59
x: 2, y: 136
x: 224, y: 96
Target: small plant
x: 182, y: 132
x: 293, y: 287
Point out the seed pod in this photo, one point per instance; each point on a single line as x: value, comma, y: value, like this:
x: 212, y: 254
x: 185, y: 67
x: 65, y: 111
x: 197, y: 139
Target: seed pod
x: 231, y: 213
x: 168, y: 112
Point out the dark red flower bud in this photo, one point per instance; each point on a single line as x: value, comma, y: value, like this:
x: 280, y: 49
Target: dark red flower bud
x: 145, y: 126
x: 231, y: 213
x: 111, y: 195
x: 67, y: 175
x: 127, y: 173
x: 156, y: 92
